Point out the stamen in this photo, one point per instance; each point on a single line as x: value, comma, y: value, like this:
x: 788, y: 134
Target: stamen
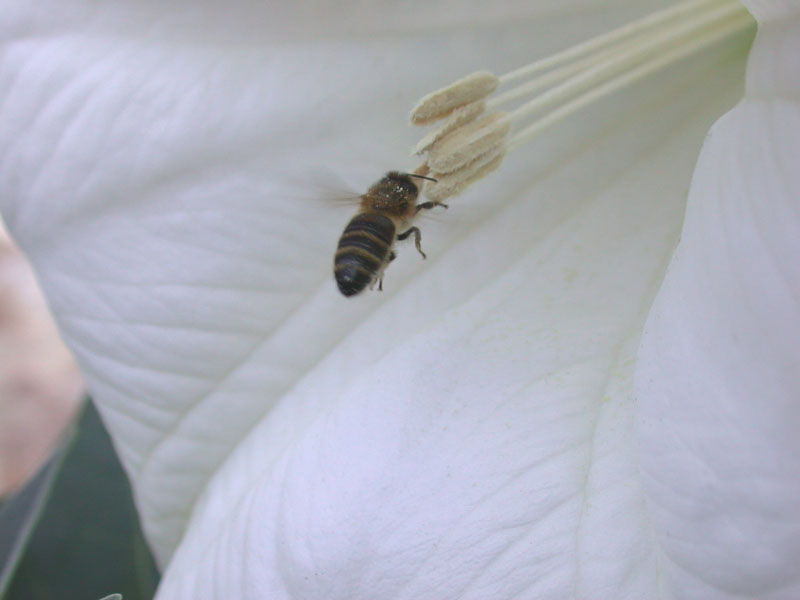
x: 623, y: 59
x: 441, y: 103
x: 607, y: 39
x: 456, y: 182
x: 460, y: 116
x: 468, y: 143
x: 468, y: 146
x: 741, y: 23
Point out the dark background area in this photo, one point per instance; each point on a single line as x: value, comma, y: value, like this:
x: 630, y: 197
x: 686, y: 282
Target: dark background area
x: 73, y: 531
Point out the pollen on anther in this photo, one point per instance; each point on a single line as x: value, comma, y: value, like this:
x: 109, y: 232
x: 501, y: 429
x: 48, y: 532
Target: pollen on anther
x: 441, y: 103
x: 460, y: 116
x: 466, y: 144
x: 451, y: 184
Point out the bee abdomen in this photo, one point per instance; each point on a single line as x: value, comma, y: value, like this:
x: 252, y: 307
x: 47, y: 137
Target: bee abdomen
x: 362, y: 252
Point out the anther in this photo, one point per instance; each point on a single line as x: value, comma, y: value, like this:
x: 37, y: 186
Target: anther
x: 441, y: 103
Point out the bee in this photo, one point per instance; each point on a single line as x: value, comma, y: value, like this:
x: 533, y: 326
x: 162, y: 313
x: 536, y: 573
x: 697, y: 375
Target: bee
x: 366, y: 245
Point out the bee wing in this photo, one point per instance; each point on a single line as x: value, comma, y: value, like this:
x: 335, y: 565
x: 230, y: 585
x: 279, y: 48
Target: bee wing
x: 329, y: 187
x: 318, y: 190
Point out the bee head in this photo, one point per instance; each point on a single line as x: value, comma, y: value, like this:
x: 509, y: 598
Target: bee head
x: 400, y: 184
x: 395, y: 194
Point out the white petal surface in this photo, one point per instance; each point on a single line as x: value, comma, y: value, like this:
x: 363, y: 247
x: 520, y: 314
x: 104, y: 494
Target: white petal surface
x: 491, y: 453
x: 718, y: 383
x: 465, y: 434
x: 473, y: 437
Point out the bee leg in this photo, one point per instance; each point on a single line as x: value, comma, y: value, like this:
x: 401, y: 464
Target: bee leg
x: 389, y: 259
x: 417, y: 238
x: 430, y: 205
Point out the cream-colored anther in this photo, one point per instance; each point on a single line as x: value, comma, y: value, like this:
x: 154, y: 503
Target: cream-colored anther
x: 469, y: 142
x: 450, y: 184
x: 460, y: 116
x: 441, y: 103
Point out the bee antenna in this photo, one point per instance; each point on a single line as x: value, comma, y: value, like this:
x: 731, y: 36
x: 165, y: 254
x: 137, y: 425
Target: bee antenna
x: 422, y: 177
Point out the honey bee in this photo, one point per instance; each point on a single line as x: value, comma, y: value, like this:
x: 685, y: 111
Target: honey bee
x: 366, y: 245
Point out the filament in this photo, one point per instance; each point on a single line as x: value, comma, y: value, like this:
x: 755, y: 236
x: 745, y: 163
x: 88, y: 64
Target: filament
x: 543, y: 93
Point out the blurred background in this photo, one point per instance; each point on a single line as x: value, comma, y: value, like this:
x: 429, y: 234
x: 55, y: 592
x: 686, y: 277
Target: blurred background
x: 68, y: 525
x: 40, y: 386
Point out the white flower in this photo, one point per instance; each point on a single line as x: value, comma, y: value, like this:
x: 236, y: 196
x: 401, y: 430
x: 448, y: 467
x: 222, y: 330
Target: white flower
x: 469, y: 432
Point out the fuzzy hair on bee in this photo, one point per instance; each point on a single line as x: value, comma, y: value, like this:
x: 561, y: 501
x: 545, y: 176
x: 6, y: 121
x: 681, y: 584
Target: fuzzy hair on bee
x: 366, y: 245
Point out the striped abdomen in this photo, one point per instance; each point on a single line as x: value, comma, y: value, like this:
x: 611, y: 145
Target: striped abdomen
x: 363, y: 249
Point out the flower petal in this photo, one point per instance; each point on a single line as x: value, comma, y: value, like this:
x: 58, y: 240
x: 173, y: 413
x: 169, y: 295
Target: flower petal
x: 717, y: 380
x: 465, y: 411
x: 473, y: 437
